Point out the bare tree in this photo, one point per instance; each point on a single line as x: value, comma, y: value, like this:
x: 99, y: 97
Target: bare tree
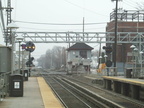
x: 54, y: 58
x: 41, y: 61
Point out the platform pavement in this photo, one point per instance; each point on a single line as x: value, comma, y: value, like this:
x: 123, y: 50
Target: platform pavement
x: 32, y: 97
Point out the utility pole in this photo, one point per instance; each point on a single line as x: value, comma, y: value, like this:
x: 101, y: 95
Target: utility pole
x: 115, y: 40
x: 83, y: 27
x: 8, y: 33
x: 9, y: 9
x: 115, y: 44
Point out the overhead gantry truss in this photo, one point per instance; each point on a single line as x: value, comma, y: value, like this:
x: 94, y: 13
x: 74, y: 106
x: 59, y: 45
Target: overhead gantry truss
x: 86, y: 37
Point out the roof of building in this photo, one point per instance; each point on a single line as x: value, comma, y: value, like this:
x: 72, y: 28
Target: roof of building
x: 80, y: 46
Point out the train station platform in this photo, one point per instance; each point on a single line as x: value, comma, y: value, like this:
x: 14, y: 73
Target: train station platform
x: 131, y: 87
x: 134, y: 81
x: 37, y: 94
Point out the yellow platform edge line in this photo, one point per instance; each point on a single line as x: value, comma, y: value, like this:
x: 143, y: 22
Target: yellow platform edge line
x: 120, y: 79
x: 49, y: 98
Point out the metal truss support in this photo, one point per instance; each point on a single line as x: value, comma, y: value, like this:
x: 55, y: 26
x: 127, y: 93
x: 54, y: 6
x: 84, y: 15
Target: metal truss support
x: 135, y: 38
x: 86, y: 37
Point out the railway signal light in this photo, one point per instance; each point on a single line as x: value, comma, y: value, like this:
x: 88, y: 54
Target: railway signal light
x: 108, y: 49
x: 108, y: 63
x: 23, y: 46
x: 29, y: 63
x: 30, y: 46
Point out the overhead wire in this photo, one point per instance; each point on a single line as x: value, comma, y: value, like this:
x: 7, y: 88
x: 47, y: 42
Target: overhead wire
x: 131, y: 3
x: 84, y: 8
x: 63, y: 23
x: 59, y: 23
x: 140, y: 6
x: 133, y: 6
x: 15, y: 10
x: 59, y: 29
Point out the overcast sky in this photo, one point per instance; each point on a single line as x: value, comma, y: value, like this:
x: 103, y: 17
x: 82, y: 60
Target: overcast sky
x: 64, y: 12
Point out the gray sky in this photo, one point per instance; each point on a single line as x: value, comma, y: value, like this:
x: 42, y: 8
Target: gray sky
x: 64, y: 12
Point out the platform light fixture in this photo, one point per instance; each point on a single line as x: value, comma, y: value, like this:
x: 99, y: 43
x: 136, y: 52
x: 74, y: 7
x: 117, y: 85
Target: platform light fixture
x: 141, y: 53
x: 19, y: 39
x: 132, y: 46
x: 12, y: 26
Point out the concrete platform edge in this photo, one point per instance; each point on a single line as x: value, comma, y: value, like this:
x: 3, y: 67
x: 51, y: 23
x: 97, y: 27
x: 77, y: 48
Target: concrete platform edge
x: 49, y: 98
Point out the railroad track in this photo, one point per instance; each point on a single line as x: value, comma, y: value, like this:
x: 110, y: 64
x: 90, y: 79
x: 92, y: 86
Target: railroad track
x: 73, y: 95
x: 68, y: 98
x: 117, y: 98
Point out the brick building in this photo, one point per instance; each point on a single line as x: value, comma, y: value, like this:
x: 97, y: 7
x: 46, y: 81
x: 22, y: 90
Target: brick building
x: 128, y: 21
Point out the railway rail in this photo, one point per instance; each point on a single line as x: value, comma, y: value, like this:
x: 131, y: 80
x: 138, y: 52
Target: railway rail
x: 73, y: 94
x: 115, y: 97
x: 68, y: 98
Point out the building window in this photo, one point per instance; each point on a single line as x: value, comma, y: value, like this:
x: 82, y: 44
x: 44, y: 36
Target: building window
x: 83, y: 54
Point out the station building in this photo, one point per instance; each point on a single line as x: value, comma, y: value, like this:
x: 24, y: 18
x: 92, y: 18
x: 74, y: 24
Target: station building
x: 127, y: 21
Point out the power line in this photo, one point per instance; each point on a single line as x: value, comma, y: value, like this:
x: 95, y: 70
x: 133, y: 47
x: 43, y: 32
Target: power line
x: 59, y: 23
x: 128, y: 4
x: 62, y: 29
x: 132, y: 4
x: 84, y: 8
x: 15, y: 9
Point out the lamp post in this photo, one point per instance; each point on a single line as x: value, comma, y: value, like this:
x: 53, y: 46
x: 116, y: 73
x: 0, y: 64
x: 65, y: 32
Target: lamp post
x: 141, y: 52
x: 23, y: 45
x: 89, y: 60
x: 135, y: 51
x: 19, y: 39
x: 12, y: 26
x: 132, y: 47
x: 100, y: 57
x: 105, y: 56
